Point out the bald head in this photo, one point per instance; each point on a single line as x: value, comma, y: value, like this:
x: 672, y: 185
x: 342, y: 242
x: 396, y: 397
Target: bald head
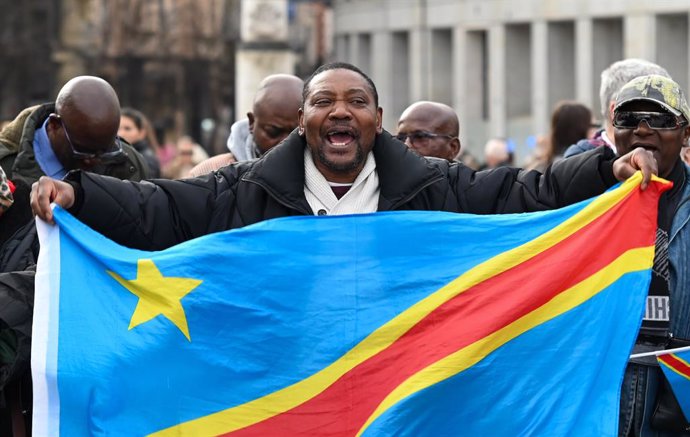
x: 432, y: 118
x: 89, y: 111
x: 275, y: 111
x: 93, y: 101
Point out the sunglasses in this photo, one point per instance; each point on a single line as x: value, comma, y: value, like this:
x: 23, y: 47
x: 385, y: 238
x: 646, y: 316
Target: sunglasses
x: 114, y: 151
x: 421, y: 137
x: 655, y: 120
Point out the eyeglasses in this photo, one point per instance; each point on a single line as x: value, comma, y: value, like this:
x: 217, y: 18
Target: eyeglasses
x: 421, y: 137
x: 114, y: 152
x: 655, y: 120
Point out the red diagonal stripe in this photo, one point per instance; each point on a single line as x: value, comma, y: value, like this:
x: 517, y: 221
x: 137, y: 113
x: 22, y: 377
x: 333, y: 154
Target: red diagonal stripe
x: 672, y: 361
x: 342, y: 408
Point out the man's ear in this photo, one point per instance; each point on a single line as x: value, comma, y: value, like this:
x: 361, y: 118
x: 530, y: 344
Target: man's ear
x: 686, y: 135
x: 300, y: 121
x: 250, y: 117
x: 52, y: 127
x: 455, y: 147
x: 379, y: 120
x: 612, y: 104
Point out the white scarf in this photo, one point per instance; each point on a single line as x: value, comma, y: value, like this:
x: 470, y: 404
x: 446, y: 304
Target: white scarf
x: 362, y: 197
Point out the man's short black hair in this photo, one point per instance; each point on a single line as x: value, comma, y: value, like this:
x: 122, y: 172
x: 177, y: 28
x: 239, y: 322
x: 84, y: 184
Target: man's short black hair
x: 338, y: 66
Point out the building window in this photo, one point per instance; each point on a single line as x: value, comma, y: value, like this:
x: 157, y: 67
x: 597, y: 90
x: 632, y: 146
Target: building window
x: 518, y: 70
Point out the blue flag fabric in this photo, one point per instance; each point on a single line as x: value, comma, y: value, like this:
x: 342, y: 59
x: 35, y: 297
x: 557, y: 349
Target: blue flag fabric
x: 676, y: 368
x: 405, y: 323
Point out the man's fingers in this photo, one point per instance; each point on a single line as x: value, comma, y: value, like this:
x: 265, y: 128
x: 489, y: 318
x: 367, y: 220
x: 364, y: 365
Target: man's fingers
x: 40, y: 200
x: 46, y: 191
x: 639, y: 159
x: 644, y: 161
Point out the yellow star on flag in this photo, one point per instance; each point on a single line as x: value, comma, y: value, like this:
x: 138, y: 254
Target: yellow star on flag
x: 158, y: 295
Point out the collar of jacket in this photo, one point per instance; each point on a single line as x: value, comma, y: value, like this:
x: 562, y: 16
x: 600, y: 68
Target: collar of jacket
x: 25, y: 165
x: 402, y: 173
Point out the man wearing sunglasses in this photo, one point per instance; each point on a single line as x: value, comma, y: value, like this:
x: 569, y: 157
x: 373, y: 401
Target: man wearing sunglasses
x: 78, y: 131
x: 652, y: 112
x: 613, y: 79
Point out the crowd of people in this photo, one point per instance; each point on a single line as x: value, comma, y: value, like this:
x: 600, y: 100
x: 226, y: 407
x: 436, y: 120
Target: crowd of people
x: 317, y: 147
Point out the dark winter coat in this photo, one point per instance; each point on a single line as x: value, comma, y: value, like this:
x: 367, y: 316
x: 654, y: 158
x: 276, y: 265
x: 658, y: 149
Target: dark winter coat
x: 156, y: 215
x: 18, y: 160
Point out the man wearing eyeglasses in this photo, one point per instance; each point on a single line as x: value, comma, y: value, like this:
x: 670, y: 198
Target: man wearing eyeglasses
x: 652, y: 112
x: 430, y: 129
x: 78, y: 131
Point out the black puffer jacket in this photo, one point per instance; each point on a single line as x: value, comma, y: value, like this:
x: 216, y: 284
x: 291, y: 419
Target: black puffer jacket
x: 156, y: 215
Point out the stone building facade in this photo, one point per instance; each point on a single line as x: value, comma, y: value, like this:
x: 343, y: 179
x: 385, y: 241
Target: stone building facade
x: 503, y: 64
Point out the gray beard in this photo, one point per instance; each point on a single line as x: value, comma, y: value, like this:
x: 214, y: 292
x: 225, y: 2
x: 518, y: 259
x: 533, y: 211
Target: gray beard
x: 344, y: 167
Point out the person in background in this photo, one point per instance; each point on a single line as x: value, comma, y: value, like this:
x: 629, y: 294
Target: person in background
x: 430, y: 129
x: 570, y: 122
x: 189, y: 155
x: 136, y: 130
x: 272, y: 118
x: 612, y: 80
x: 496, y: 154
x: 78, y: 131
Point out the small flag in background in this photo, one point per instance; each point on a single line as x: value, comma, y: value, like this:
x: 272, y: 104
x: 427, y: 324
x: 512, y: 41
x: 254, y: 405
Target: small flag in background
x: 404, y: 323
x: 676, y: 367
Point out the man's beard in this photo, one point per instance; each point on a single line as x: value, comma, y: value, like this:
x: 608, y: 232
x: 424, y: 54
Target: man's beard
x: 341, y: 167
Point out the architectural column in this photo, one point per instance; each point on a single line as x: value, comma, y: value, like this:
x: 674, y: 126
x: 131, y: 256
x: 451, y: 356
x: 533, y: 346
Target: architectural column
x: 460, y: 77
x: 341, y: 47
x: 419, y: 61
x: 353, y: 53
x: 639, y: 36
x: 262, y: 49
x: 540, y: 78
x: 382, y: 72
x: 497, y: 81
x: 584, y: 67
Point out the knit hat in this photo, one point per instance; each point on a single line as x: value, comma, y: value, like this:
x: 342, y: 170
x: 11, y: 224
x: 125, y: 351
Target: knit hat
x: 658, y: 89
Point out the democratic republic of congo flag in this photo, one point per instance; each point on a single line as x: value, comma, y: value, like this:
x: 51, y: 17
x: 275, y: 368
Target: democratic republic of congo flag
x: 676, y: 367
x: 387, y: 324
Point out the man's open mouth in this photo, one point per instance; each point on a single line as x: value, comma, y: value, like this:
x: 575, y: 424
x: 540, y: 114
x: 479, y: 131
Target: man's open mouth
x: 340, y: 137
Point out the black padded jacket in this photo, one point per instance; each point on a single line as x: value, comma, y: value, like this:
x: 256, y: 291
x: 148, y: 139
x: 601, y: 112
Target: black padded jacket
x: 154, y: 215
